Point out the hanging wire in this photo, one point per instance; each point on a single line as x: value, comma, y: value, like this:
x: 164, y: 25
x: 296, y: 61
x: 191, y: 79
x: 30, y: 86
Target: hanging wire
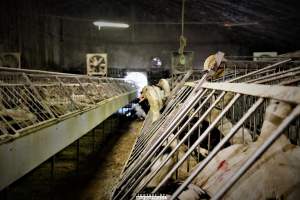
x: 182, y: 39
x: 182, y: 17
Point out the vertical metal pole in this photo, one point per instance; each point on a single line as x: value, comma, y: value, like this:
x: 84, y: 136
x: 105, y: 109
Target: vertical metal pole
x: 103, y: 129
x: 254, y: 127
x: 94, y: 139
x: 176, y: 157
x: 243, y: 111
x: 111, y: 124
x: 188, y: 159
x: 298, y: 130
x: 209, y: 134
x: 199, y: 146
x: 118, y: 119
x: 235, y: 71
x: 52, y: 185
x: 77, y: 156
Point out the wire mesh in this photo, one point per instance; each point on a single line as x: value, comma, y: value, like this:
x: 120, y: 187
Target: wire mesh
x: 212, y: 117
x: 30, y: 98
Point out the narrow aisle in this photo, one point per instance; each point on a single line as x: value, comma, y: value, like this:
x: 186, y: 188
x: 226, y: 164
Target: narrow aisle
x: 106, y: 176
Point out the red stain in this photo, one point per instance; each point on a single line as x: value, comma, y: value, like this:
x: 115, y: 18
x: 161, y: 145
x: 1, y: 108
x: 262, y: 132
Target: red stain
x: 223, y: 165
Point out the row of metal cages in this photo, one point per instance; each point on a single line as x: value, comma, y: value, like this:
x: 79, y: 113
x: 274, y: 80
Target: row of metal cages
x: 234, y: 68
x: 211, y: 136
x: 29, y: 99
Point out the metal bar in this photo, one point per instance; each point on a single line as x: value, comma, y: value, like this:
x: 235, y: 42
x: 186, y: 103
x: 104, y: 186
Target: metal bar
x: 281, y: 93
x: 84, y: 90
x: 185, y: 108
x: 259, y: 152
x: 94, y: 139
x: 30, y: 153
x: 142, y: 161
x: 214, y: 152
x: 260, y: 70
x: 279, y: 77
x: 158, y: 124
x: 162, y: 120
x: 37, y: 105
x: 273, y: 75
x: 167, y: 145
x: 77, y: 156
x: 15, y: 105
x: 37, y: 71
x: 179, y: 85
x: 52, y: 175
x: 292, y: 81
x: 38, y: 95
x: 202, y: 137
x: 65, y: 91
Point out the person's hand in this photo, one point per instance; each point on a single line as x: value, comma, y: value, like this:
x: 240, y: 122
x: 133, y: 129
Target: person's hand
x: 141, y: 98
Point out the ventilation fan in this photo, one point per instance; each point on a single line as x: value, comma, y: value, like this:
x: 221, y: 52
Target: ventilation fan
x: 182, y: 63
x: 96, y: 64
x: 11, y: 60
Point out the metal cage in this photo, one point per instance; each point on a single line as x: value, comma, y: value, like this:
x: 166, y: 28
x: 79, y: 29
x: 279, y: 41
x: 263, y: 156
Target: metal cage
x: 29, y: 99
x: 233, y: 108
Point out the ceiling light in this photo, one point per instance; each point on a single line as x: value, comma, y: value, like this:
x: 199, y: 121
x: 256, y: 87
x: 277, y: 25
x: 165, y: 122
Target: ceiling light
x: 228, y: 24
x: 100, y: 24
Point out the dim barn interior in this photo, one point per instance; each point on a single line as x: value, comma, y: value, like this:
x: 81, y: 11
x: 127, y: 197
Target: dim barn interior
x: 173, y: 99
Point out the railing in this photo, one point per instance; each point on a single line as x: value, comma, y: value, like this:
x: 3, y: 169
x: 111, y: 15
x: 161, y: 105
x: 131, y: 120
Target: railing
x: 233, y: 112
x: 30, y: 98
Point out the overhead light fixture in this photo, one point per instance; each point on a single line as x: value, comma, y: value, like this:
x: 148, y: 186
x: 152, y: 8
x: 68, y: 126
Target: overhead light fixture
x: 100, y: 24
x: 229, y: 24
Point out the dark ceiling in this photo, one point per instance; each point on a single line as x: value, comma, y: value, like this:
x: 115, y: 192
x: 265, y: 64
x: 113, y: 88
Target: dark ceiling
x: 265, y: 23
x: 270, y: 21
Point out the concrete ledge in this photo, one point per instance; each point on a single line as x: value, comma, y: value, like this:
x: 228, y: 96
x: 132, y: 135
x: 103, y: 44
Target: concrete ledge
x: 22, y: 155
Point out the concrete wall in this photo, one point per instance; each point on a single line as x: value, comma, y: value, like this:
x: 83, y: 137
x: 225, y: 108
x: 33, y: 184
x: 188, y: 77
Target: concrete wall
x: 60, y: 43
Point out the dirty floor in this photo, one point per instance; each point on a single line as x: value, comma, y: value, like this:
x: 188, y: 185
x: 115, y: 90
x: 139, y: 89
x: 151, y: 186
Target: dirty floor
x: 89, y: 174
x: 100, y: 186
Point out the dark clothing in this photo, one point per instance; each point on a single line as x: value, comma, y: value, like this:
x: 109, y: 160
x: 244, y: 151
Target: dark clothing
x: 145, y: 105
